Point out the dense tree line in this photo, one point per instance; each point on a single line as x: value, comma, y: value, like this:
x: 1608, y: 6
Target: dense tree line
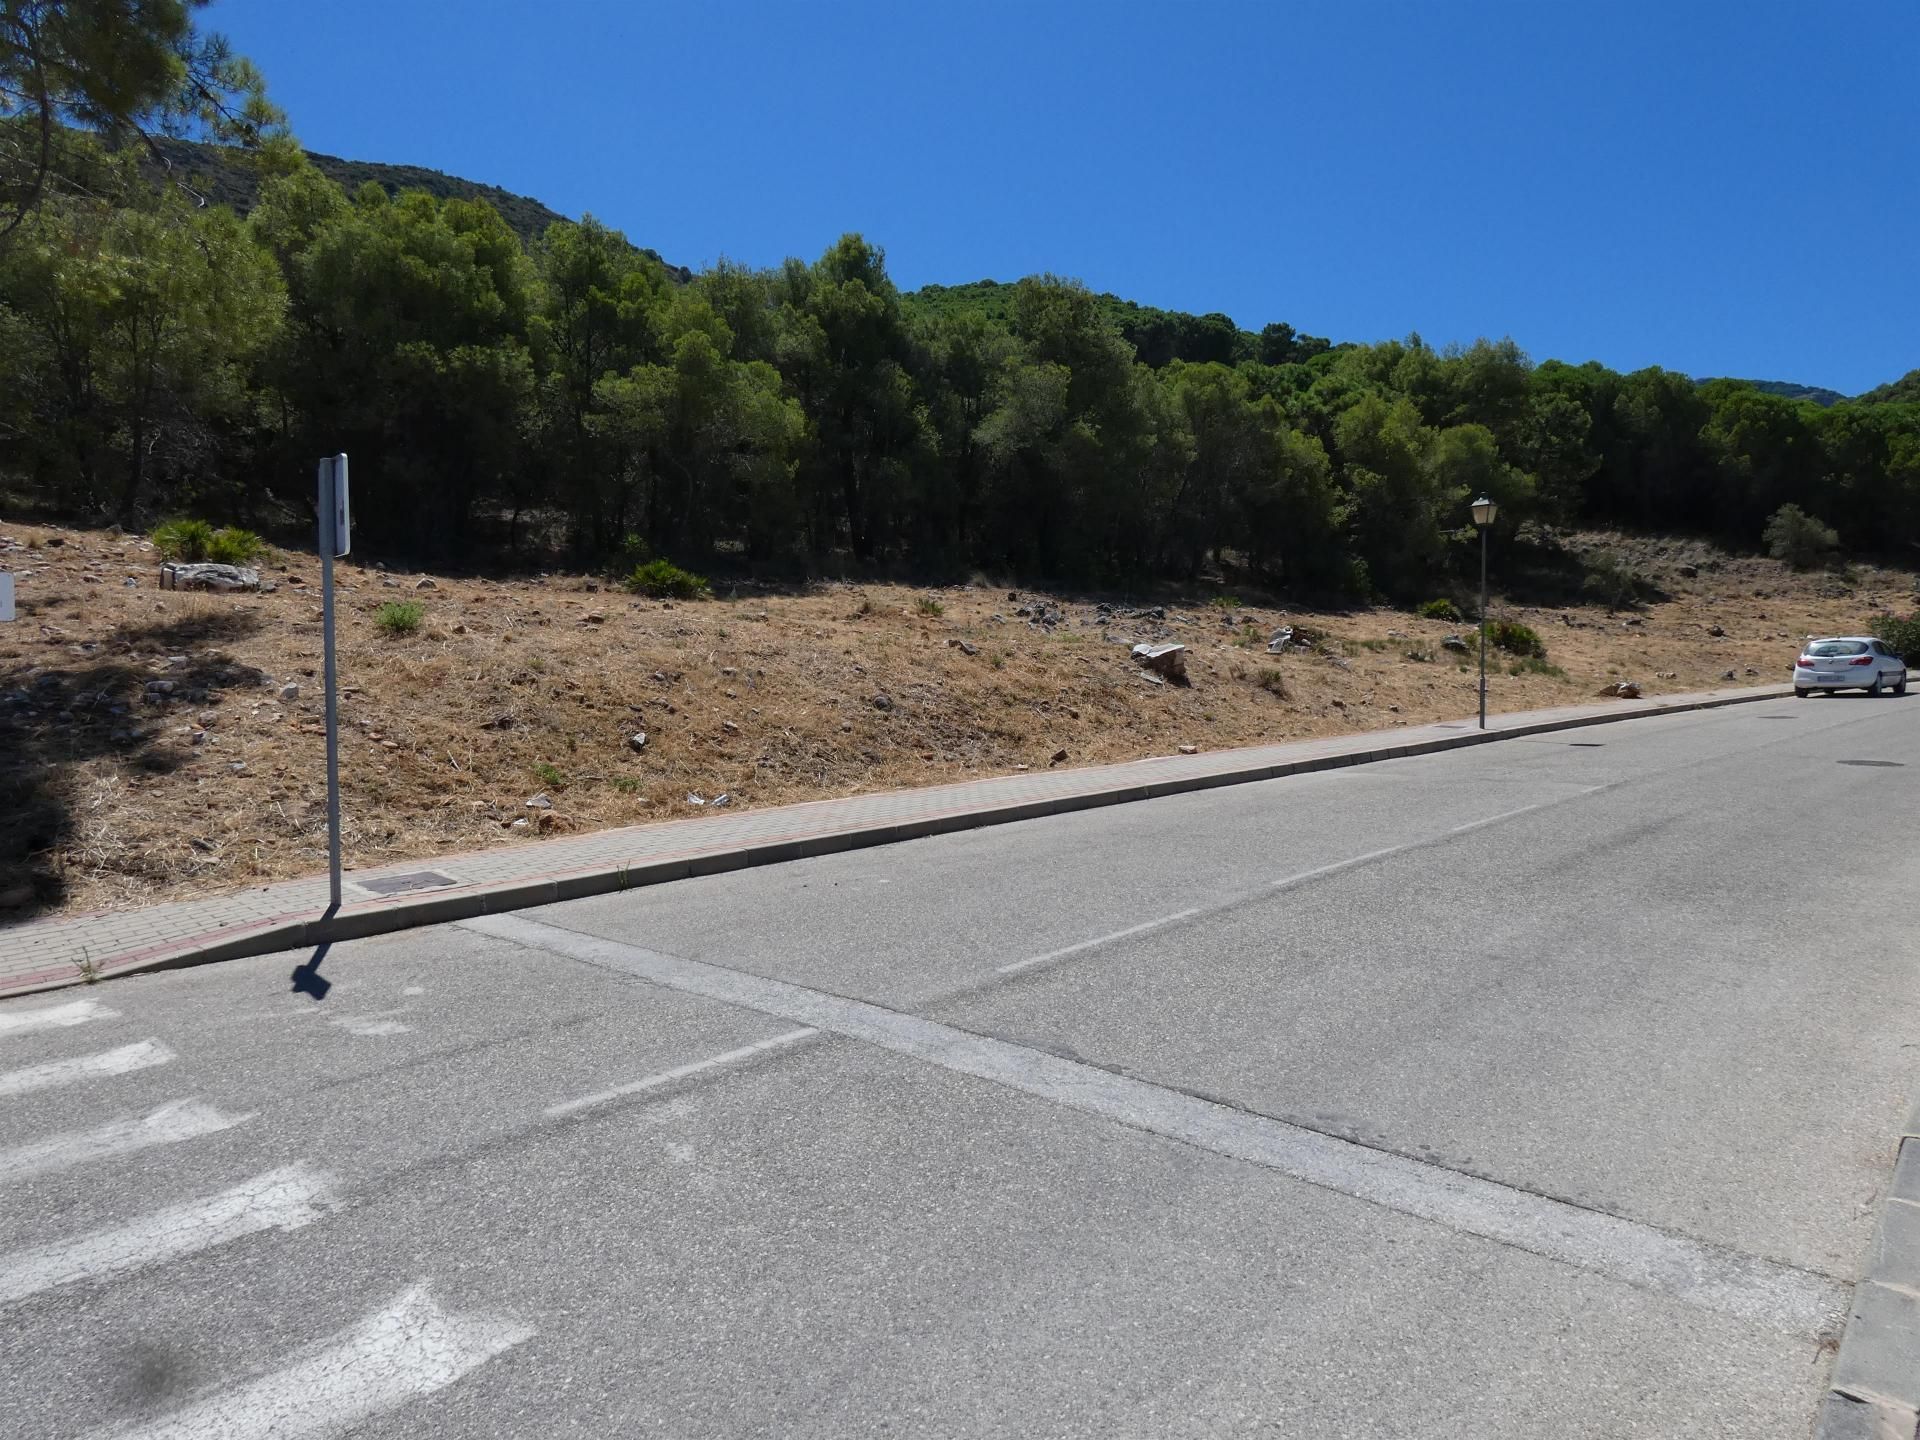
x: 159, y: 355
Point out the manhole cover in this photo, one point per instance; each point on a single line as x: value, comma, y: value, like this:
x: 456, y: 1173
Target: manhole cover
x: 1881, y: 764
x: 401, y: 884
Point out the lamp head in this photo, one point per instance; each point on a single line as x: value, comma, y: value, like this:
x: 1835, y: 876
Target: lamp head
x: 1483, y: 512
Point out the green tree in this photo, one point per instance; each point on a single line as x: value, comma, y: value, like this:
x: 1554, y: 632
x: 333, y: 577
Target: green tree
x: 126, y: 69
x: 1798, y: 538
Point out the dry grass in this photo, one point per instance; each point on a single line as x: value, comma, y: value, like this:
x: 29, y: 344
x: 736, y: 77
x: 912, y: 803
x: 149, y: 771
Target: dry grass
x: 511, y: 688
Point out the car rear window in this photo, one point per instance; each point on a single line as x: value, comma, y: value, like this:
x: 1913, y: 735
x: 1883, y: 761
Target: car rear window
x: 1838, y: 647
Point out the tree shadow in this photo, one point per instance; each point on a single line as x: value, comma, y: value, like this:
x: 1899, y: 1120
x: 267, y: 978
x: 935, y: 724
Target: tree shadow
x: 61, y: 711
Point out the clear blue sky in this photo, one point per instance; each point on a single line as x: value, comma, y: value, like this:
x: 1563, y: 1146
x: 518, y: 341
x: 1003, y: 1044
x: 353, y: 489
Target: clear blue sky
x: 1717, y: 186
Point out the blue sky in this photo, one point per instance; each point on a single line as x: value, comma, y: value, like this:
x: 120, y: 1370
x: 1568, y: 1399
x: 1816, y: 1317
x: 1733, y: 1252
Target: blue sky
x: 1717, y: 187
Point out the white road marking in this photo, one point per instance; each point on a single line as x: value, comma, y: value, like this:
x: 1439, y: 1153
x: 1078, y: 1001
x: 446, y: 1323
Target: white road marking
x: 1785, y: 1298
x: 667, y: 1077
x: 371, y: 1025
x: 141, y: 1056
x: 408, y: 1350
x: 53, y: 1017
x: 181, y: 1120
x: 1427, y: 841
x: 1052, y: 955
x: 278, y: 1200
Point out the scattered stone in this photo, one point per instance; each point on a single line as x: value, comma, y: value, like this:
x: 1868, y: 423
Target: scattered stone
x: 1280, y: 640
x: 290, y: 692
x: 1189, y: 749
x: 224, y: 578
x: 1717, y: 632
x: 1731, y: 675
x: 962, y: 646
x: 1455, y: 643
x: 239, y: 767
x: 593, y: 617
x: 540, y: 802
x: 423, y: 583
x: 696, y: 799
x: 1169, y: 661
x: 729, y: 727
x: 1752, y: 671
x: 1625, y: 690
x: 1058, y: 756
x: 723, y: 798
x: 1632, y: 620
x: 1691, y: 572
x: 520, y: 824
x: 883, y: 703
x: 637, y: 741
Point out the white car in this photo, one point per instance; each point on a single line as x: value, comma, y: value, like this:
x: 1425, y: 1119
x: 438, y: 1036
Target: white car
x: 1849, y: 662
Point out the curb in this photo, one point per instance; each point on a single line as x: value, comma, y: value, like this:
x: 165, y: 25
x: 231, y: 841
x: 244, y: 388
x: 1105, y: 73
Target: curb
x: 1875, y: 1388
x: 378, y: 917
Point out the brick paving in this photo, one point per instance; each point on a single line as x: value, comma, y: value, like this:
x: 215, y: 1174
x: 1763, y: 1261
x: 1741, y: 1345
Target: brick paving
x: 67, y: 950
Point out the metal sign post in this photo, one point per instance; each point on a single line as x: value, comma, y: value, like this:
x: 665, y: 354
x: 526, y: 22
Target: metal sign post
x: 6, y: 595
x: 336, y: 538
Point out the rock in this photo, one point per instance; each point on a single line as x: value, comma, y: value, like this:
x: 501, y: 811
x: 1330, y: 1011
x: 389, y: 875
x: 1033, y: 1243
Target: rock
x: 1058, y: 756
x: 963, y: 647
x: 1752, y: 671
x: 179, y: 576
x: 723, y: 798
x: 1731, y: 675
x: 1455, y: 643
x: 14, y: 896
x: 1625, y: 690
x: 1166, y: 660
x: 1690, y: 571
x: 730, y: 728
x: 290, y: 692
x: 637, y: 741
x: 883, y: 703
x: 593, y: 617
x: 520, y: 824
x: 1279, y: 640
x: 176, y: 662
x: 540, y: 802
x: 696, y: 799
x: 423, y: 583
x: 1717, y: 632
x: 1189, y: 749
x: 1632, y: 620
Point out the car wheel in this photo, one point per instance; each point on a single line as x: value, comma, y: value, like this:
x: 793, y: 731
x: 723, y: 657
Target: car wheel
x: 1900, y: 685
x: 1797, y: 690
x: 1874, y: 689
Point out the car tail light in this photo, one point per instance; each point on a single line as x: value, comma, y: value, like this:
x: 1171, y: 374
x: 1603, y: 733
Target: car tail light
x: 1805, y: 662
x: 1861, y: 660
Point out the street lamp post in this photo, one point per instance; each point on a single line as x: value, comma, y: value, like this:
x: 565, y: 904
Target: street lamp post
x: 1483, y: 512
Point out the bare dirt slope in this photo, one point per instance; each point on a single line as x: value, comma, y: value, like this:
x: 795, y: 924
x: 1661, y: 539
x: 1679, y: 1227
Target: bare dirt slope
x: 154, y: 744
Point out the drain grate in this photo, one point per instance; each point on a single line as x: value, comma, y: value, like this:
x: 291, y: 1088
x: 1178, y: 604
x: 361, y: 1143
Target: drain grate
x: 1878, y: 764
x: 401, y: 884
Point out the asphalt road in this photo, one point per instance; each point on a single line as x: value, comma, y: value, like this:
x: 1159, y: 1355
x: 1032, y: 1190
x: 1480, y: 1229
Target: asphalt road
x: 1541, y: 1088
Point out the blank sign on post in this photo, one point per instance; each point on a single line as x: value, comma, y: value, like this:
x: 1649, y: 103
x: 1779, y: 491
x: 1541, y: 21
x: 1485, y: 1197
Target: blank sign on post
x: 6, y: 595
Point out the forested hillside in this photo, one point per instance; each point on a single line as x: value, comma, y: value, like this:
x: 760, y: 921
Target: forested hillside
x: 159, y: 356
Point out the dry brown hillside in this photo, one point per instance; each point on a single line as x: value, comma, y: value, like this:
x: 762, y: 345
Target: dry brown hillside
x: 116, y: 794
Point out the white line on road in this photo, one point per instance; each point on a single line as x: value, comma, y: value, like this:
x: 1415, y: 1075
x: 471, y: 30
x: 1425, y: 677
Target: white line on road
x: 1052, y: 955
x: 408, y: 1350
x: 181, y: 1120
x: 283, y: 1199
x: 53, y: 1017
x: 1427, y: 841
x: 667, y: 1077
x: 1782, y: 1297
x: 141, y: 1056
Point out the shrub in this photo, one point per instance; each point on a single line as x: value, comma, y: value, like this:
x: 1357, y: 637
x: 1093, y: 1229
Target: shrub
x: 1515, y: 638
x: 550, y: 776
x: 929, y: 606
x: 1225, y: 602
x: 1798, y: 538
x: 1534, y: 665
x: 1901, y: 634
x: 664, y: 580
x: 399, y: 617
x: 1273, y: 682
x: 234, y: 546
x: 1440, y: 610
x: 187, y: 540
x: 1614, y: 584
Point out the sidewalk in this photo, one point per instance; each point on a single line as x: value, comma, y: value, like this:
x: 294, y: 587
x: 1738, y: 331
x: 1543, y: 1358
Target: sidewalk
x: 47, y: 954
